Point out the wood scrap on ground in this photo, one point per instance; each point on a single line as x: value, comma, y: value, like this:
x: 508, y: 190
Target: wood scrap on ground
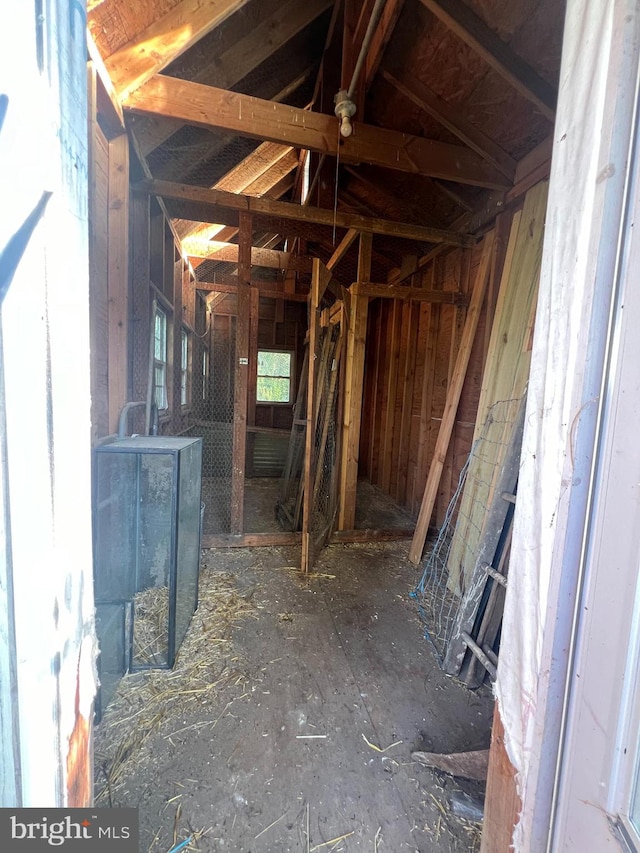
x: 467, y: 765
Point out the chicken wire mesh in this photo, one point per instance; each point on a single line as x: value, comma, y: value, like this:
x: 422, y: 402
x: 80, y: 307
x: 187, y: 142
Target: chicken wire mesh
x: 450, y: 562
x: 213, y: 421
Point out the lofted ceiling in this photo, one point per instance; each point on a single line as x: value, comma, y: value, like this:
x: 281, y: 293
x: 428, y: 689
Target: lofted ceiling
x: 227, y: 99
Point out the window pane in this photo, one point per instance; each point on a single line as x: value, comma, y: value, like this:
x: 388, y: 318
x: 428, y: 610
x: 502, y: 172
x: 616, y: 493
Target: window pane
x: 272, y: 390
x: 160, y: 335
x: 160, y: 386
x: 185, y: 349
x: 274, y: 363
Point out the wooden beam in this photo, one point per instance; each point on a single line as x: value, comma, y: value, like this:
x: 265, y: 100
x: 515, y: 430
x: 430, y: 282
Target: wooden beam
x: 251, y: 540
x: 451, y: 405
x: 117, y: 115
x: 228, y: 253
x: 472, y: 30
x: 302, y: 213
x: 384, y: 31
x: 502, y: 803
x: 241, y: 376
x: 118, y: 275
x: 266, y: 289
x: 353, y: 391
x: 212, y: 108
x: 164, y: 40
x: 454, y: 120
x: 342, y: 248
x: 258, y: 43
x: 412, y: 294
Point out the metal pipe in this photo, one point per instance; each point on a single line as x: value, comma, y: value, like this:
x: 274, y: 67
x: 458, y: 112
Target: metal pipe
x: 366, y: 43
x: 124, y: 413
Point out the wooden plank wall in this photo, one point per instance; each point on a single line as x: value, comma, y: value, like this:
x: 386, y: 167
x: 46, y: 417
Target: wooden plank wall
x: 411, y: 350
x: 108, y: 264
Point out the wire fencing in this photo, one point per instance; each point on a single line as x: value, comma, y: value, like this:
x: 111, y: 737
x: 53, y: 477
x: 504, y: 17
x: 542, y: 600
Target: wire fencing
x: 450, y: 562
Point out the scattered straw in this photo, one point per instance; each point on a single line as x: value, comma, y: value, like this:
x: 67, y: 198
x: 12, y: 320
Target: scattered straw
x: 333, y: 841
x: 273, y: 823
x: 377, y: 748
x: 202, y: 670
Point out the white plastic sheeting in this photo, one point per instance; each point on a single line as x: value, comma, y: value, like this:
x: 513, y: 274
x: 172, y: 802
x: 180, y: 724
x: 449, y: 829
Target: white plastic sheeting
x: 45, y: 324
x: 591, y: 142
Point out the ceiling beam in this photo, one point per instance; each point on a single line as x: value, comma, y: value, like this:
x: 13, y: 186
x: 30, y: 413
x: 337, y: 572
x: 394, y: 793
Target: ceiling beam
x: 164, y: 40
x: 245, y: 55
x: 308, y: 215
x: 271, y: 292
x: 473, y: 31
x: 206, y: 106
x: 455, y: 121
x: 411, y: 294
x: 228, y: 253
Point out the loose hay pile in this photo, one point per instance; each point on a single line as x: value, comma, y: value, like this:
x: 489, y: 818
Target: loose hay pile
x: 204, y: 665
x: 151, y: 626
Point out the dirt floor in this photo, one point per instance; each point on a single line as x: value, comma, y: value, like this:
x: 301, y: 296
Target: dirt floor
x: 289, y: 720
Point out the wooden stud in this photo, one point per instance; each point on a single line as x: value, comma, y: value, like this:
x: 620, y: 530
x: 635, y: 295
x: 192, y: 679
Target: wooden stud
x: 353, y: 392
x: 502, y: 804
x: 241, y: 376
x: 407, y: 398
x: 453, y: 397
x: 393, y: 355
x: 118, y: 272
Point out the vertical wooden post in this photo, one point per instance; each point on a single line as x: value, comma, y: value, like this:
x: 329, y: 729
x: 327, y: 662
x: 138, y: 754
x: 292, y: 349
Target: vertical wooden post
x: 176, y: 360
x: 118, y: 272
x: 502, y: 803
x: 309, y: 467
x: 451, y: 405
x: 241, y: 374
x: 354, y: 385
x: 254, y: 310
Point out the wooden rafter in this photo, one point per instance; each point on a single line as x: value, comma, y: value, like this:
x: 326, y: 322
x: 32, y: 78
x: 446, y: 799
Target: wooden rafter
x: 243, y: 57
x: 312, y: 215
x: 454, y: 120
x: 388, y: 20
x: 162, y: 42
x: 472, y: 30
x: 206, y: 106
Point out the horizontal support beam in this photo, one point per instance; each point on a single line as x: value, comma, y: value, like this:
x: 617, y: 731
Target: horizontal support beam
x: 228, y: 253
x: 410, y: 294
x: 269, y: 293
x: 211, y: 108
x: 302, y: 213
x: 472, y: 30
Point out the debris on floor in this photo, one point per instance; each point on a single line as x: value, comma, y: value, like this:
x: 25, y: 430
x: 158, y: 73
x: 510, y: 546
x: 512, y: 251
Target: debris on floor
x: 290, y: 719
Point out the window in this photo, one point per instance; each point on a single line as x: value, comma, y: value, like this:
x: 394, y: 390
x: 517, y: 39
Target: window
x: 185, y: 353
x: 205, y: 373
x: 274, y: 377
x: 160, y: 360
